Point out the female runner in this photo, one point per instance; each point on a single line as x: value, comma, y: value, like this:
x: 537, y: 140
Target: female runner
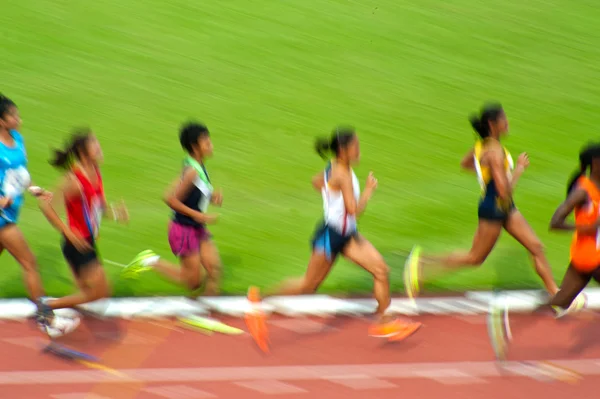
x: 343, y: 203
x: 82, y: 192
x: 583, y: 199
x: 189, y: 238
x: 497, y: 210
x: 14, y: 181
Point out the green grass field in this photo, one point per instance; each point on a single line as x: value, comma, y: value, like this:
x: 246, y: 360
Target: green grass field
x: 269, y: 76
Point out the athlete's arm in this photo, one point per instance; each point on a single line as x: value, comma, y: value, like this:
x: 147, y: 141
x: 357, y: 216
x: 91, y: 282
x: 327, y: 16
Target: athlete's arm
x: 177, y: 193
x: 468, y: 163
x: 344, y: 180
x: 318, y: 181
x: 496, y: 162
x: 522, y: 164
x: 67, y: 188
x: 558, y: 222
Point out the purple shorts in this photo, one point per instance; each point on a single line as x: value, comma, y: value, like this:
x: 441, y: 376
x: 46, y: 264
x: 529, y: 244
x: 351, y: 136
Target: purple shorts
x: 186, y: 240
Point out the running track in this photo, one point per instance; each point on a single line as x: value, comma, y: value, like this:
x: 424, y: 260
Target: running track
x: 311, y: 358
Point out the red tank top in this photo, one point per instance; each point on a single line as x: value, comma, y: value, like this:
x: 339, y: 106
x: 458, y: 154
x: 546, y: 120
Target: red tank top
x: 85, y: 211
x: 585, y: 248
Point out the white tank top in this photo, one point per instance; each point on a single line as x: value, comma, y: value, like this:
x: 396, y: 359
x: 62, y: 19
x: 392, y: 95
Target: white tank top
x: 334, y: 208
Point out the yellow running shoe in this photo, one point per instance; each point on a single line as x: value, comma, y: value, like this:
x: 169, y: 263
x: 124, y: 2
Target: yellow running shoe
x: 412, y: 271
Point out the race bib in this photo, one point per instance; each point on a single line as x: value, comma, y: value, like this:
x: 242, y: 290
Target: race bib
x: 15, y: 182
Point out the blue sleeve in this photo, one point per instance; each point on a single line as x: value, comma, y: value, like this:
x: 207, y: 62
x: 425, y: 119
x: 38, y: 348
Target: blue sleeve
x: 17, y: 136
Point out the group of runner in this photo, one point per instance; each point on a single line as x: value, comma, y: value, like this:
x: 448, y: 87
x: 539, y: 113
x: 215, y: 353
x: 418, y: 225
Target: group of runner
x: 81, y: 192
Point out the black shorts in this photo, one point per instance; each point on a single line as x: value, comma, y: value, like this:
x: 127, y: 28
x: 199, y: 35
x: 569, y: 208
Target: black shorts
x: 331, y: 242
x: 492, y: 208
x: 77, y: 260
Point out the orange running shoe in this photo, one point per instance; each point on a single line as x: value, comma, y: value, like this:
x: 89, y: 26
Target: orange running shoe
x: 409, y: 329
x: 256, y: 321
x: 394, y: 330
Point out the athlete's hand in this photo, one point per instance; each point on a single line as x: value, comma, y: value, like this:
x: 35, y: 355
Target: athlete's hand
x: 5, y: 202
x: 120, y: 212
x: 205, y: 218
x: 79, y: 243
x: 523, y: 161
x: 371, y: 182
x: 217, y: 198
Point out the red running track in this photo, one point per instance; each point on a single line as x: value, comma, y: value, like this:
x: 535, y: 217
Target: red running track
x: 450, y: 357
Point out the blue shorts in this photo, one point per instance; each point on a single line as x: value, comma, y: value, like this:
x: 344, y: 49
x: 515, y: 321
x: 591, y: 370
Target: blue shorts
x: 331, y: 242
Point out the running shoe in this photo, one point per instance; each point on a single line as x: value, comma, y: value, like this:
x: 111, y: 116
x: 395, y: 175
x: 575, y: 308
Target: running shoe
x: 256, y: 320
x: 51, y: 324
x: 412, y: 273
x: 499, y: 329
x: 395, y: 330
x: 141, y: 263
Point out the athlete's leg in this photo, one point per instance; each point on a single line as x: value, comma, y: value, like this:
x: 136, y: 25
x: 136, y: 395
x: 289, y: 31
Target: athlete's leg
x: 318, y: 268
x: 572, y: 284
x: 517, y: 226
x: 93, y: 284
x: 485, y: 239
x: 209, y: 255
x: 14, y: 242
x: 363, y: 253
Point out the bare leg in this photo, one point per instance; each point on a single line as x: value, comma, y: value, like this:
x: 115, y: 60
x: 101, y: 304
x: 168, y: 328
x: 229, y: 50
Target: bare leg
x: 572, y: 284
x: 93, y: 285
x: 318, y: 269
x: 517, y: 226
x: 364, y: 254
x: 14, y: 242
x: 211, y: 261
x: 485, y: 239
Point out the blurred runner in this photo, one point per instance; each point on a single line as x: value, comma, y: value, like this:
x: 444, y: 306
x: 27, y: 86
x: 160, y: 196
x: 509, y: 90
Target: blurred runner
x: 494, y: 167
x: 82, y: 192
x: 583, y: 199
x: 338, y: 234
x: 189, y: 237
x: 14, y: 181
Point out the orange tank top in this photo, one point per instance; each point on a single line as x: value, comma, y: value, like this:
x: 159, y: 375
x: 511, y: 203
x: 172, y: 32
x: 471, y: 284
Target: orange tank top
x: 585, y: 248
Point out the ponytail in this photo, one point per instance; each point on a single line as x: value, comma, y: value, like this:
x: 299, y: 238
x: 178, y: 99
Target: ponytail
x: 340, y: 138
x: 575, y: 178
x: 323, y: 147
x: 481, y: 123
x: 478, y: 126
x: 63, y: 159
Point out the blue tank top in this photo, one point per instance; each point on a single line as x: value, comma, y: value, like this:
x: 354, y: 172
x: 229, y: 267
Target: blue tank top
x: 14, y: 176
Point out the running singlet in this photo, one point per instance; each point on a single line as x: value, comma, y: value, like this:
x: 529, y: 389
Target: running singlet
x: 334, y: 208
x: 585, y: 248
x: 84, y: 213
x: 14, y: 177
x: 491, y: 206
x: 199, y: 196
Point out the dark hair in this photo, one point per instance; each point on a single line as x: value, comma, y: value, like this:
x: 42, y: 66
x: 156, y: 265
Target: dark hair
x: 489, y: 113
x: 190, y: 133
x: 341, y: 137
x: 5, y: 104
x: 586, y: 156
x: 75, y: 148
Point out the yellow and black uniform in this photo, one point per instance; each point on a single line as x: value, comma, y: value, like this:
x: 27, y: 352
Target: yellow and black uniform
x: 491, y: 206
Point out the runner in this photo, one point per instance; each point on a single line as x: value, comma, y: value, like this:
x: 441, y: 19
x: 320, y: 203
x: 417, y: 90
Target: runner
x: 343, y: 204
x: 583, y: 199
x: 14, y: 181
x: 82, y: 192
x: 497, y: 211
x: 189, y: 197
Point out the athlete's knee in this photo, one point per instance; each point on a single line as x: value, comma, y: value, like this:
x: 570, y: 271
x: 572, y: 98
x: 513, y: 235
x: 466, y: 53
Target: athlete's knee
x: 475, y: 259
x: 536, y: 248
x: 381, y: 271
x: 29, y: 264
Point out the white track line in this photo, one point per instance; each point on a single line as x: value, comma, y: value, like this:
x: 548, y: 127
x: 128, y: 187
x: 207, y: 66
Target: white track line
x: 466, y: 370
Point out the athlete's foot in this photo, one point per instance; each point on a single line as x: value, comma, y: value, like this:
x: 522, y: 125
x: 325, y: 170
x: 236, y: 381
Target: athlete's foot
x: 412, y: 273
x: 256, y: 321
x: 394, y: 330
x: 141, y: 263
x: 578, y: 304
x: 499, y: 330
x: 51, y: 324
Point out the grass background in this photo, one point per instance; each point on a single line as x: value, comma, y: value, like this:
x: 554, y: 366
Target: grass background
x: 269, y: 76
